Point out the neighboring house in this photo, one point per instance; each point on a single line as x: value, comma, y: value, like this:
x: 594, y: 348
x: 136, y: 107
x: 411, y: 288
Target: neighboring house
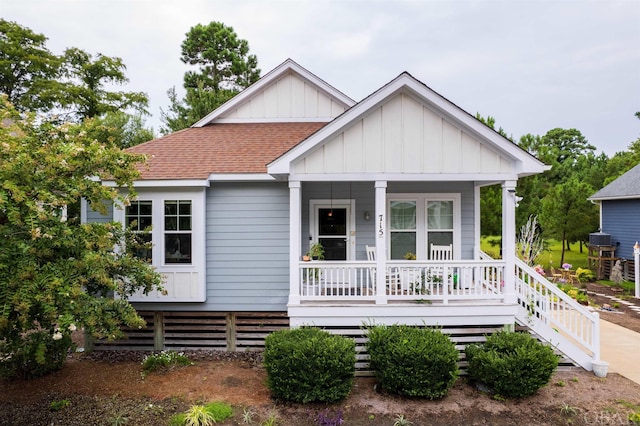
x: 619, y: 204
x: 236, y: 200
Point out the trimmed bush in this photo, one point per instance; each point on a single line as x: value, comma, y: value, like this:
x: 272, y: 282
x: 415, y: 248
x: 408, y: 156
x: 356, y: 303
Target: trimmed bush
x: 412, y: 361
x: 309, y: 365
x: 512, y: 364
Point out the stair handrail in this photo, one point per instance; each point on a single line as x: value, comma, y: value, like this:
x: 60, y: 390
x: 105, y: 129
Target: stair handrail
x: 548, y: 304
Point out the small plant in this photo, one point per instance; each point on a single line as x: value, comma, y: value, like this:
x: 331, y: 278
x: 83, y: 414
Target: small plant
x: 316, y: 251
x: 59, y: 405
x: 401, y: 421
x: 197, y: 415
x: 513, y: 364
x: 272, y: 420
x: 568, y: 410
x: 247, y: 416
x: 560, y: 384
x: 163, y: 360
x: 325, y: 418
x: 118, y: 420
x: 585, y: 275
x: 202, y: 415
x: 575, y: 380
x: 634, y: 418
x: 409, y: 256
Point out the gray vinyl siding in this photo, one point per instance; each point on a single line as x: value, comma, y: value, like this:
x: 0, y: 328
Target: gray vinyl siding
x: 621, y: 219
x: 247, y: 247
x: 364, y: 195
x: 94, y: 216
x: 466, y: 191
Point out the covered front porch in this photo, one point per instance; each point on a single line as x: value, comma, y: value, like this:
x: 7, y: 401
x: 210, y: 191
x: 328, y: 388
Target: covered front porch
x: 368, y: 227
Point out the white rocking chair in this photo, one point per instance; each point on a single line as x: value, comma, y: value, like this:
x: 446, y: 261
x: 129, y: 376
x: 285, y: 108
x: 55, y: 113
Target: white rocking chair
x: 393, y: 275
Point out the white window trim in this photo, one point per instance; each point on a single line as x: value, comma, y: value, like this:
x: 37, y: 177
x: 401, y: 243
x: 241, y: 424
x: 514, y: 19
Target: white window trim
x: 195, y: 272
x: 421, y: 200
x: 350, y: 205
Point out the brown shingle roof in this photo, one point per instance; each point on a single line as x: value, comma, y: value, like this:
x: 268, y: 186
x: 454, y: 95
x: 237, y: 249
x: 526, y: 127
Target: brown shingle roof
x: 194, y: 153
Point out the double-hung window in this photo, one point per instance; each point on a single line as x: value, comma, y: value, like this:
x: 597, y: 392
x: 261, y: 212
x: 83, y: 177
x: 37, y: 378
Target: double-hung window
x: 418, y: 220
x: 403, y: 228
x: 177, y: 231
x: 139, y: 218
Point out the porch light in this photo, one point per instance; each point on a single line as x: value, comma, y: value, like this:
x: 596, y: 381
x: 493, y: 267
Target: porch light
x: 367, y: 216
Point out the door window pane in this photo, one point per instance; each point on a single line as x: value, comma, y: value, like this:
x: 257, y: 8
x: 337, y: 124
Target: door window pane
x: 332, y: 221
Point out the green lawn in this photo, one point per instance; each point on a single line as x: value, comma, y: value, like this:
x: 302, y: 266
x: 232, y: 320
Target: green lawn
x: 549, y: 257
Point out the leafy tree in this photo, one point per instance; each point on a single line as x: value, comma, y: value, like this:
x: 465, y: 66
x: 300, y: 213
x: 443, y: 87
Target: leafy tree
x: 491, y: 196
x: 57, y: 274
x: 84, y: 93
x: 224, y: 67
x: 223, y: 58
x: 34, y: 79
x: 127, y: 129
x: 27, y: 67
x: 566, y: 212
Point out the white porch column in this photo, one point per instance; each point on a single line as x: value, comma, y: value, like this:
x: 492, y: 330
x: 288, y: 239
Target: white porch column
x: 295, y: 225
x: 381, y: 241
x: 509, y: 239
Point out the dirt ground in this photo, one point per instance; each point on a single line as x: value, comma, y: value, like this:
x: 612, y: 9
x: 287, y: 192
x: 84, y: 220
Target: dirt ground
x: 108, y: 389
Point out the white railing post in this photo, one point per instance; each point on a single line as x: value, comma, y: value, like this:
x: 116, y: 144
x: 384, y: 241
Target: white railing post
x: 295, y: 226
x: 381, y: 242
x: 509, y: 239
x: 636, y: 260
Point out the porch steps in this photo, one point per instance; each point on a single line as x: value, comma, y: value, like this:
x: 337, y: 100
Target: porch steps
x: 564, y: 363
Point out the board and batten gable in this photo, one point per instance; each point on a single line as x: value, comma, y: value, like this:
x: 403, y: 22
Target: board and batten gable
x: 621, y: 219
x: 290, y: 97
x: 403, y: 135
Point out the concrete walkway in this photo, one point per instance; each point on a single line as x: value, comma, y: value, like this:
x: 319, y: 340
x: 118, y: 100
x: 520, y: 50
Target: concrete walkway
x: 620, y: 347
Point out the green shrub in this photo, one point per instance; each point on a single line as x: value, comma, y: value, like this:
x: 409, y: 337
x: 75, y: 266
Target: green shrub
x: 34, y: 354
x: 413, y: 361
x: 585, y: 275
x: 164, y: 360
x: 308, y: 364
x: 512, y: 364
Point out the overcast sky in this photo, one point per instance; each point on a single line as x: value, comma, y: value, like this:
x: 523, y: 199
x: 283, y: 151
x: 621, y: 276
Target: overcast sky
x: 533, y: 65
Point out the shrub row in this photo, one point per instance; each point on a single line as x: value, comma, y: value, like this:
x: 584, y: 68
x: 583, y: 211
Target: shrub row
x: 312, y: 365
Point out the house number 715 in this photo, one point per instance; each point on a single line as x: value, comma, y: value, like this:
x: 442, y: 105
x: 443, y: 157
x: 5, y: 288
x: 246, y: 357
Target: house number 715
x: 380, y: 227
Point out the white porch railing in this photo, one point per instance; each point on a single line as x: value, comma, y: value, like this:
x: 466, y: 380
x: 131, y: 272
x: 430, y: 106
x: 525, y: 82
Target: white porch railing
x: 557, y: 317
x: 442, y: 281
